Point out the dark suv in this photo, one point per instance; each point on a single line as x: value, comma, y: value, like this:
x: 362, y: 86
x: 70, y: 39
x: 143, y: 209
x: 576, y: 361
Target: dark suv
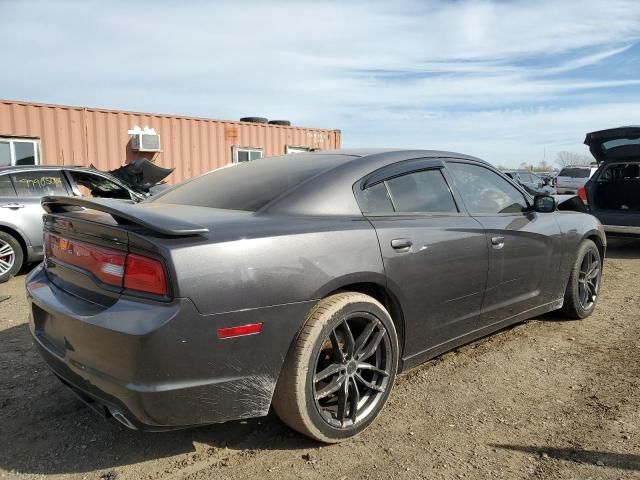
x: 613, y: 192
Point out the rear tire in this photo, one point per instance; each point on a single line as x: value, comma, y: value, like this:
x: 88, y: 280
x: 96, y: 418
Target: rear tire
x: 347, y: 343
x: 11, y: 256
x: 581, y: 295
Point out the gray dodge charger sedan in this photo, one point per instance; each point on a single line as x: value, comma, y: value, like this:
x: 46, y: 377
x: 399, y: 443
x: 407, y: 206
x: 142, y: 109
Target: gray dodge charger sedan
x: 304, y: 283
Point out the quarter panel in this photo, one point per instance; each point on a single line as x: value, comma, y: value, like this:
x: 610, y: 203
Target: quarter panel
x: 275, y: 261
x: 574, y: 228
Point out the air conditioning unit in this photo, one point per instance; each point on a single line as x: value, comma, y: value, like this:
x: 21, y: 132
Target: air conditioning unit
x: 145, y: 142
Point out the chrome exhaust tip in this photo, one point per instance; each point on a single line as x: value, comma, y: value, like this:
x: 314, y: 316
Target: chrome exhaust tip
x: 119, y: 416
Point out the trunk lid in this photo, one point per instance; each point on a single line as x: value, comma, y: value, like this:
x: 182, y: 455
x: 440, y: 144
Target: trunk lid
x: 90, y: 245
x: 621, y: 143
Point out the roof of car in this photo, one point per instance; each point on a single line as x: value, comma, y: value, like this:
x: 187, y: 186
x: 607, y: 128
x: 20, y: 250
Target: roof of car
x: 397, y: 153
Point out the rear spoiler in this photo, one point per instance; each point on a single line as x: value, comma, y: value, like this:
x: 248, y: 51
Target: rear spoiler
x: 123, y: 212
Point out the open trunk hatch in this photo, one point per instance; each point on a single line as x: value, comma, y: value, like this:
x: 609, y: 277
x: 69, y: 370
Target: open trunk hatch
x: 614, y: 196
x: 620, y: 143
x: 141, y: 174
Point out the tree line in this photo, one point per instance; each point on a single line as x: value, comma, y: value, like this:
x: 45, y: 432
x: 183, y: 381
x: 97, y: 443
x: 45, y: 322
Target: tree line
x: 563, y: 159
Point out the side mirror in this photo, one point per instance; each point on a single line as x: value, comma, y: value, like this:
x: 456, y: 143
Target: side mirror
x: 544, y: 204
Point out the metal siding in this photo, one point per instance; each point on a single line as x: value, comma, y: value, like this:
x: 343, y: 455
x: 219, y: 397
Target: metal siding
x: 83, y: 136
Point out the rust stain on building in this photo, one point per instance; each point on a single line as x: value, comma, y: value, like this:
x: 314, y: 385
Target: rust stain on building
x: 69, y: 135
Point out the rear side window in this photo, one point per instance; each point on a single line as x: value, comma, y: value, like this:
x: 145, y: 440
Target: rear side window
x: 376, y: 199
x: 249, y: 185
x: 425, y: 191
x: 6, y: 187
x: 38, y: 184
x: 574, y: 172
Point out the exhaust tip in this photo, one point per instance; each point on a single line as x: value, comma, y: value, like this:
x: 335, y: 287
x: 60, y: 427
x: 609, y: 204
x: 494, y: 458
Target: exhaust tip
x: 120, y: 417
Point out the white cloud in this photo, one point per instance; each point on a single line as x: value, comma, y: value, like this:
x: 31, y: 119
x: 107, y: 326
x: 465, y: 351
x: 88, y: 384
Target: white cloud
x: 440, y: 67
x: 503, y: 136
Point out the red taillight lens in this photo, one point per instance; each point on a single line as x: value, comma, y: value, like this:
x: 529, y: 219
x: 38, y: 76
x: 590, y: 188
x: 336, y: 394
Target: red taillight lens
x: 107, y: 265
x: 119, y: 269
x: 582, y: 193
x: 144, y: 274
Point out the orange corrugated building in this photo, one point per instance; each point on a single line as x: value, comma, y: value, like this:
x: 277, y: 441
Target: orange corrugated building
x: 64, y: 135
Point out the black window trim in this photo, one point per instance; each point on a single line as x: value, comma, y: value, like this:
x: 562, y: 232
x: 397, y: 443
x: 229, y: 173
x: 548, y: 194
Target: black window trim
x: 407, y: 167
x: 528, y: 199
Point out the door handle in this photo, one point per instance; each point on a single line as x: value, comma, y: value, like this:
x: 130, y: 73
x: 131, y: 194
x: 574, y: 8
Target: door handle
x: 401, y: 244
x: 12, y: 205
x: 497, y: 242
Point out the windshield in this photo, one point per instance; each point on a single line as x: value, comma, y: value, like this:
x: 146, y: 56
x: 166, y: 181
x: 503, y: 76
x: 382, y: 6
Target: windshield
x: 249, y: 185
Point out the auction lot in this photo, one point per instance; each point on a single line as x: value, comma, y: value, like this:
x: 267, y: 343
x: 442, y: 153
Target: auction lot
x: 545, y: 399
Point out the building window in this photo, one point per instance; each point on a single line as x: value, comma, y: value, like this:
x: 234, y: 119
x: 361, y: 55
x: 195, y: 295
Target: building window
x: 294, y: 149
x: 246, y: 154
x: 19, y: 151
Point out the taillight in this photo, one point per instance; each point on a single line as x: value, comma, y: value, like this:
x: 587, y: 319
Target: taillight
x: 582, y: 193
x: 554, y: 181
x: 105, y: 264
x: 144, y: 274
x: 112, y: 267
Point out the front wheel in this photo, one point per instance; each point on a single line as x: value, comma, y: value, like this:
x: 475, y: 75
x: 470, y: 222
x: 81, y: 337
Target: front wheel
x: 340, y: 369
x: 581, y: 295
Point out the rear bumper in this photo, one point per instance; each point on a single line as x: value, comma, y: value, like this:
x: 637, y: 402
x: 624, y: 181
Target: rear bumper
x: 622, y: 230
x: 158, y: 365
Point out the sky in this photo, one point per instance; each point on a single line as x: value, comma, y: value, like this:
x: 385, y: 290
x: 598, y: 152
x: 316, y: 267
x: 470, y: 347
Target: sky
x: 509, y: 82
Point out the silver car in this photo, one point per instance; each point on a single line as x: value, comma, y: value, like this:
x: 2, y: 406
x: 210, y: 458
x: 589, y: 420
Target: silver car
x: 570, y: 179
x: 22, y: 187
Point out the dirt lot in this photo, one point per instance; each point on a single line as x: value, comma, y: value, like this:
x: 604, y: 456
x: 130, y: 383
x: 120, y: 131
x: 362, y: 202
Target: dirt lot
x: 547, y: 399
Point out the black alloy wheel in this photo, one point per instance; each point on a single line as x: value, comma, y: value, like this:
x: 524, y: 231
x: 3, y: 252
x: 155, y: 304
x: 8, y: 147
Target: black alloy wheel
x: 352, y: 370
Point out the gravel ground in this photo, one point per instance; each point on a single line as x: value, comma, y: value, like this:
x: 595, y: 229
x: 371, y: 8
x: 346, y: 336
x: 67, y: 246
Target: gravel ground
x: 545, y: 399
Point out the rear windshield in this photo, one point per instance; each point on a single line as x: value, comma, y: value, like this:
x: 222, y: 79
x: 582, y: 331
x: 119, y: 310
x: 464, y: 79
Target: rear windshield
x: 575, y: 172
x: 619, y: 142
x: 249, y: 185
